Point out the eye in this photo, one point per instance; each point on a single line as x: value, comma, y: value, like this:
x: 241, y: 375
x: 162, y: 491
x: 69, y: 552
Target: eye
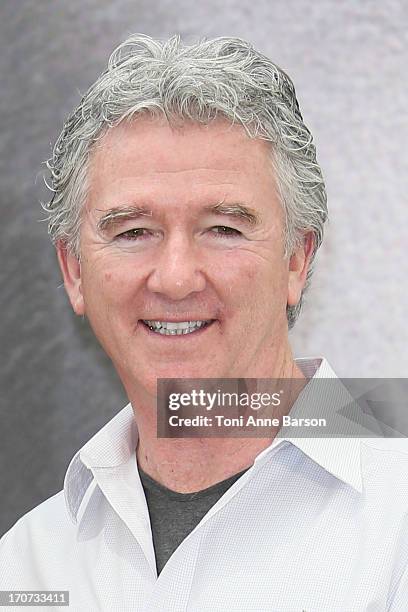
x: 137, y: 233
x: 224, y: 230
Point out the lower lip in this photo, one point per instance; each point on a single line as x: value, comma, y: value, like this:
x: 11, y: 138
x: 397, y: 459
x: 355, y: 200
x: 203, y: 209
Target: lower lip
x: 179, y: 337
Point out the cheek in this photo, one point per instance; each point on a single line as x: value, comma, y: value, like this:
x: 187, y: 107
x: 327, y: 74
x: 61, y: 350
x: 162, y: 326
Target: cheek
x: 105, y: 288
x: 257, y: 273
x: 260, y: 288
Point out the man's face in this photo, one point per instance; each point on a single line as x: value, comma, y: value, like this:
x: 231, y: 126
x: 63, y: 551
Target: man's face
x: 179, y: 226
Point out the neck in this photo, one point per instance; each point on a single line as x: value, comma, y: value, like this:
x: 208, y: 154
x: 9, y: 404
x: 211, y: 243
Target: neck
x: 186, y: 465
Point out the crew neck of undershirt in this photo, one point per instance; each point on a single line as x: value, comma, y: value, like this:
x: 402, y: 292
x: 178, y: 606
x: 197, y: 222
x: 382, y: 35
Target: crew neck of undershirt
x: 156, y: 487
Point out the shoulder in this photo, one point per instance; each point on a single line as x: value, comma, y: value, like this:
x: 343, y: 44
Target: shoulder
x: 384, y: 464
x: 388, y: 450
x: 51, y: 514
x: 41, y: 535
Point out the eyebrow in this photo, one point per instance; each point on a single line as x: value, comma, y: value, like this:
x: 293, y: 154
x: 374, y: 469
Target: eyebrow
x: 238, y: 211
x: 117, y: 215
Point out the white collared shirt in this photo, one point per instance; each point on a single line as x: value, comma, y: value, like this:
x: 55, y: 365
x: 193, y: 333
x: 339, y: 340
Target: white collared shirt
x: 315, y: 525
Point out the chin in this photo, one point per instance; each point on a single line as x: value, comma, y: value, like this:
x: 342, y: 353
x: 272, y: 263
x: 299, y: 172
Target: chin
x: 174, y: 371
x: 186, y: 371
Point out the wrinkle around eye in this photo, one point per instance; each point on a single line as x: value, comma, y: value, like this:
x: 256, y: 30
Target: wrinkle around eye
x: 230, y: 233
x: 130, y: 235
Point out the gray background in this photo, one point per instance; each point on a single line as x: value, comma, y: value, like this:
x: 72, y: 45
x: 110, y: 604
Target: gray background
x: 348, y: 60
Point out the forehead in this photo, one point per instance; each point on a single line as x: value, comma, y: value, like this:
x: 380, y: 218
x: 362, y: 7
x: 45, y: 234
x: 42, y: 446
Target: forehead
x: 149, y: 157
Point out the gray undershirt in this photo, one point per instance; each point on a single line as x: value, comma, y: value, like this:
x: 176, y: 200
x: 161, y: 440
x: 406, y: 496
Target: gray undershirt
x: 174, y: 515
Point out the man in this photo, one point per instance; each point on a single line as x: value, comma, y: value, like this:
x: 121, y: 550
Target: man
x: 188, y: 206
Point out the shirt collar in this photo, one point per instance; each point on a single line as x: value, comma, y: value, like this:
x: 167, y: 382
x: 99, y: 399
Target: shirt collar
x: 110, y: 447
x: 340, y: 456
x: 115, y: 443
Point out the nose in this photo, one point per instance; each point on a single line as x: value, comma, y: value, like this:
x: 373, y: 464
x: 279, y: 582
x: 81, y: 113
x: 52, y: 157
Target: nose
x: 178, y: 270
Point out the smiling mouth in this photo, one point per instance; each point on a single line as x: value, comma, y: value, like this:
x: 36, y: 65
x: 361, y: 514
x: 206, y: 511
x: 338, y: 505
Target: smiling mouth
x: 179, y: 328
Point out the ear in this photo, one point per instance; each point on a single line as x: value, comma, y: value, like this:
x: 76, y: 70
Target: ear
x: 298, y: 267
x: 71, y: 272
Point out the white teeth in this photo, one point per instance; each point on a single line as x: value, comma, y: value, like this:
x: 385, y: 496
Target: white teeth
x: 170, y: 328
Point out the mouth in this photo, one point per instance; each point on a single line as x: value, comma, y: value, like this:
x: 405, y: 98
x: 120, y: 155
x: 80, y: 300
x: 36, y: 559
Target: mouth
x: 177, y: 328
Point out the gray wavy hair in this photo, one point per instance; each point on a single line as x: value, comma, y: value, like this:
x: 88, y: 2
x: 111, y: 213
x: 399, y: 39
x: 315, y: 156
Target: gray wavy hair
x: 220, y: 77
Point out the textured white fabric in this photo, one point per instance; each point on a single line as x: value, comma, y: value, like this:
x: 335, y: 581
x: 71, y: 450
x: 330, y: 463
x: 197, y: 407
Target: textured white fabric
x: 319, y: 525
